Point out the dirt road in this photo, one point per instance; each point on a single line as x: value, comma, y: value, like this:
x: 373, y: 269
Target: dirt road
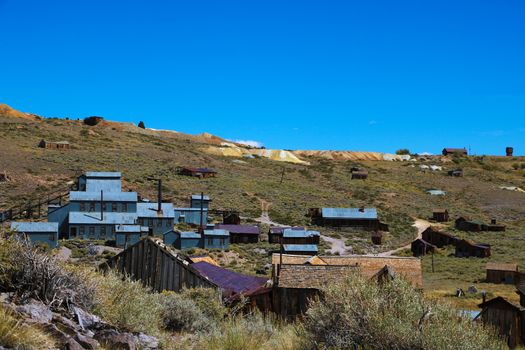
x: 421, y: 226
x: 338, y: 245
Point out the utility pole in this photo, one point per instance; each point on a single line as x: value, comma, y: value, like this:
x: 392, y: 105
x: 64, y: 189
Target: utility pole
x: 432, y: 260
x: 282, y: 177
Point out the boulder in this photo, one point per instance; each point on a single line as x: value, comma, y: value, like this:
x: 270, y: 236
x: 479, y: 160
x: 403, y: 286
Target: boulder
x: 37, y: 311
x: 64, y: 341
x: 147, y: 342
x: 86, y: 342
x: 85, y: 319
x: 111, y: 339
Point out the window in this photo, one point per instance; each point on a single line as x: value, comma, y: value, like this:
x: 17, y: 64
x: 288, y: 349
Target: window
x: 125, y: 207
x: 73, y: 232
x: 222, y: 241
x: 104, y: 208
x: 102, y: 232
x: 150, y: 222
x: 91, y: 232
x: 113, y: 207
x: 82, y: 230
x: 168, y: 223
x: 92, y: 206
x: 159, y: 222
x: 51, y: 238
x: 210, y: 241
x: 82, y: 206
x: 141, y: 222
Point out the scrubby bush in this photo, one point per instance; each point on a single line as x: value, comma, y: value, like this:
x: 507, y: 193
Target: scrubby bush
x: 30, y: 273
x: 180, y: 313
x: 125, y: 303
x: 358, y: 312
x: 17, y: 335
x: 255, y: 332
x: 141, y: 125
x: 208, y: 300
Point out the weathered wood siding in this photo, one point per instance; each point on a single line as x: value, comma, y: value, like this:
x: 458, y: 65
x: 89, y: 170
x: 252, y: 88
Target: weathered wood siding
x: 157, y: 268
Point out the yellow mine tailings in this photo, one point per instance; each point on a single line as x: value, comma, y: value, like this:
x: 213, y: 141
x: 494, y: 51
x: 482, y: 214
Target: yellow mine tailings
x: 234, y: 151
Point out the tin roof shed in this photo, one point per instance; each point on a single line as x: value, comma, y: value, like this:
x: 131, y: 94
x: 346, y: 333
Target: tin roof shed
x: 350, y: 213
x: 289, y: 233
x: 27, y: 227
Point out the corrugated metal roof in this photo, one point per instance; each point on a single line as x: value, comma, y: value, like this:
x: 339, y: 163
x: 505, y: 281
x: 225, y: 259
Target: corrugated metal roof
x: 35, y: 226
x: 198, y: 196
x: 232, y: 283
x: 349, y: 213
x: 109, y: 218
x: 190, y: 209
x: 300, y: 248
x: 107, y: 196
x: 103, y: 174
x: 106, y: 185
x: 240, y: 229
x: 189, y: 234
x: 216, y: 232
x: 435, y: 192
x: 149, y: 210
x: 289, y: 233
x: 277, y: 229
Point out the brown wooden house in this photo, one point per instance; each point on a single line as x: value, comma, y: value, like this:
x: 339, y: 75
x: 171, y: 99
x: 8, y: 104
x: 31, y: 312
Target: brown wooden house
x: 275, y: 233
x: 53, y: 144
x: 360, y: 175
x: 241, y: 233
x: 421, y: 247
x: 438, y: 238
x: 506, y: 317
x: 464, y: 224
x: 198, y: 172
x: 502, y: 273
x: 359, y: 218
x: 440, y: 215
x: 466, y: 248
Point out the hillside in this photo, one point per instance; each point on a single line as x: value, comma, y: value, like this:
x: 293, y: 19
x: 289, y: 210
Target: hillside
x: 397, y: 189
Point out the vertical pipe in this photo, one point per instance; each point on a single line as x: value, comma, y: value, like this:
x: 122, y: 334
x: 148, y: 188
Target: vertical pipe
x: 159, y: 197
x: 201, y: 212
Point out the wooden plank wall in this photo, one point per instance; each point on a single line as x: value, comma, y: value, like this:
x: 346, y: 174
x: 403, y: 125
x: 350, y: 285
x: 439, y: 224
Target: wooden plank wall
x: 157, y: 268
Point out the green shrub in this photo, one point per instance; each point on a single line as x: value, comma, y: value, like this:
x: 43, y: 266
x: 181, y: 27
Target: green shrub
x: 208, y: 300
x: 402, y: 151
x: 359, y: 312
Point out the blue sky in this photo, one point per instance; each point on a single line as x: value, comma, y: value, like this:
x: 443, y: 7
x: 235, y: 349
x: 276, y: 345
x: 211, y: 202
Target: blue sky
x: 346, y: 75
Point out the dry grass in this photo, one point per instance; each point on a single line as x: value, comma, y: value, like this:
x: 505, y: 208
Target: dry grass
x: 17, y: 335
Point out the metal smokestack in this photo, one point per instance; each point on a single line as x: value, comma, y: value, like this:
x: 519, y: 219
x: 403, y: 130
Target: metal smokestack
x: 159, y: 197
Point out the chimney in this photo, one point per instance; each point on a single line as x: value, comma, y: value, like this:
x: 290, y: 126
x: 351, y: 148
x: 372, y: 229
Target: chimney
x: 362, y: 209
x: 101, y: 205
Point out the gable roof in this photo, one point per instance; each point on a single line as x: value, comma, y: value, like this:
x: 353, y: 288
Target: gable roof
x: 240, y: 229
x: 279, y: 230
x: 107, y: 196
x: 110, y: 218
x: 501, y: 300
x: 349, y: 213
x: 103, y: 174
x: 216, y: 232
x: 311, y: 276
x: 232, y: 283
x: 502, y: 266
x: 300, y: 248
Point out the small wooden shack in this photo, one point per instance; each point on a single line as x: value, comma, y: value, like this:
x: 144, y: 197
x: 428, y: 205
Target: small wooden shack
x: 421, y: 247
x: 506, y: 318
x: 360, y: 175
x: 198, y: 172
x: 291, y: 236
x: 502, y: 273
x: 464, y: 224
x: 438, y: 238
x: 440, y: 215
x: 466, y: 249
x: 53, y: 144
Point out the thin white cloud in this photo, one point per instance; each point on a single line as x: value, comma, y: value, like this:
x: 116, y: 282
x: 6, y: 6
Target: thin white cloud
x: 372, y: 122
x: 425, y: 154
x: 250, y: 143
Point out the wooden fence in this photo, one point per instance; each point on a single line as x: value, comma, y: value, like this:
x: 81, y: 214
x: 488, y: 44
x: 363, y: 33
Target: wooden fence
x: 158, y: 268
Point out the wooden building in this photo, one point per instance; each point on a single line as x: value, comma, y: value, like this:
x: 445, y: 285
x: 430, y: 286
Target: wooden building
x: 438, y: 238
x: 53, y: 144
x: 454, y: 151
x: 298, y: 278
x: 300, y: 249
x: 509, y: 151
x: 241, y: 233
x: 198, y: 172
x: 359, y: 218
x: 360, y: 175
x: 291, y: 236
x: 275, y: 233
x: 466, y: 248
x: 421, y: 247
x: 506, y: 317
x: 440, y: 215
x: 463, y: 224
x: 37, y: 233
x: 502, y: 273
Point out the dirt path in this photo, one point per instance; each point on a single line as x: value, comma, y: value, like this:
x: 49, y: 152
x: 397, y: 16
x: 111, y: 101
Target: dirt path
x: 421, y: 226
x: 338, y: 245
x: 265, y: 217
